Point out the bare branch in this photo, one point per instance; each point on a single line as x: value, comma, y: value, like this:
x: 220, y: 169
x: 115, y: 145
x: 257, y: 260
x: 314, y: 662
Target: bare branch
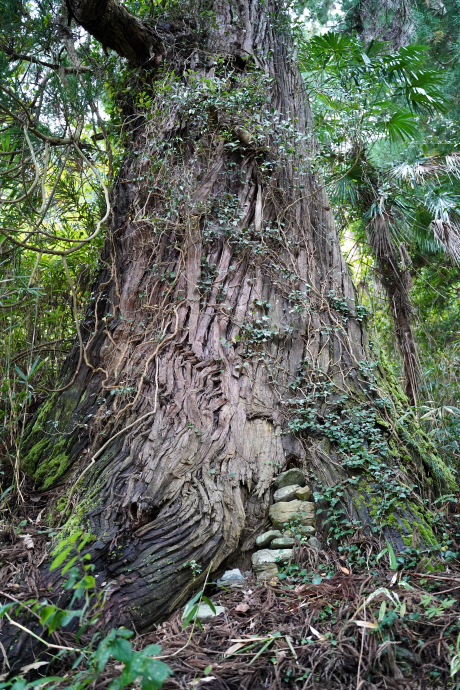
x: 35, y: 61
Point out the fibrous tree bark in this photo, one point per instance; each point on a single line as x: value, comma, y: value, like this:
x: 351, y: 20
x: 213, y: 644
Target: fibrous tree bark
x: 392, y: 266
x: 389, y: 20
x: 224, y: 342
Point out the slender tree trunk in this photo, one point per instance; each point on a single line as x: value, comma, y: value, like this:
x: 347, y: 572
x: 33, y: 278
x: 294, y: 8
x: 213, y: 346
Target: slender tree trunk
x: 224, y: 343
x: 397, y: 282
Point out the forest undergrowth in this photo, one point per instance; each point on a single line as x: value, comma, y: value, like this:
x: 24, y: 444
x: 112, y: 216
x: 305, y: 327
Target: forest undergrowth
x: 322, y: 624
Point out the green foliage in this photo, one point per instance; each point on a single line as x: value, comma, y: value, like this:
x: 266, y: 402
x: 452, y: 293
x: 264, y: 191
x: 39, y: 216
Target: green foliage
x: 389, y: 150
x: 367, y: 90
x: 85, y: 663
x: 359, y: 431
x: 53, y: 179
x: 364, y: 100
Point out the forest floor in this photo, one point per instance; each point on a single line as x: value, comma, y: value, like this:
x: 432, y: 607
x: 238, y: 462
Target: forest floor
x: 320, y: 625
x: 359, y: 631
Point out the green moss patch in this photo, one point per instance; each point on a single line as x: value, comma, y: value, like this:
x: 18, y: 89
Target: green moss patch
x: 46, y: 461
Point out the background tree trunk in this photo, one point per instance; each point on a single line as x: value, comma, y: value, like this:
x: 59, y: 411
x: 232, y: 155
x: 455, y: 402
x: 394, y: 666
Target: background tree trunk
x: 224, y: 339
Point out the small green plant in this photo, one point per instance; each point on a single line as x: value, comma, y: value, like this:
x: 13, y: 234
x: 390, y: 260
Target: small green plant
x: 194, y: 567
x: 436, y: 607
x: 192, y: 606
x: 191, y: 609
x: 297, y: 529
x: 394, y: 565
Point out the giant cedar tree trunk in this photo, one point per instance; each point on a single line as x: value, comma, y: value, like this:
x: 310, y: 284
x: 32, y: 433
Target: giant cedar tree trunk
x: 223, y: 335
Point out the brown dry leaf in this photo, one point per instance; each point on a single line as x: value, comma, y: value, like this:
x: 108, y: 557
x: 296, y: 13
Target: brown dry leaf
x: 32, y: 667
x: 5, y: 657
x: 319, y: 635
x: 366, y: 624
x: 235, y: 647
x: 250, y: 639
x: 344, y: 570
x: 242, y: 608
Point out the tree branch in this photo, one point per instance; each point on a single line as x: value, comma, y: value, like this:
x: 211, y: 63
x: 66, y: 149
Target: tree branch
x: 116, y: 28
x: 12, y: 56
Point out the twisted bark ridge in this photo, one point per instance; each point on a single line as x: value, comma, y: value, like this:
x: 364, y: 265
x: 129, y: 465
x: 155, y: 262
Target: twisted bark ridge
x: 225, y: 342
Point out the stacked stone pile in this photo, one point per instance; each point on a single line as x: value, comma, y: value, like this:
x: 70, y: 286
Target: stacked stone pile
x: 291, y: 503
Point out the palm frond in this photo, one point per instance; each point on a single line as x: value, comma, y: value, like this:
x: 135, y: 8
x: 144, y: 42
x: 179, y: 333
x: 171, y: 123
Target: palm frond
x: 346, y: 190
x: 448, y: 236
x: 442, y: 204
x: 402, y: 125
x: 416, y: 173
x: 452, y: 164
x: 428, y: 168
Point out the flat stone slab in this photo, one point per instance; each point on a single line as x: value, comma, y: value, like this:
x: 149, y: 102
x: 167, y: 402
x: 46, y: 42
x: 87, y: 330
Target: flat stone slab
x: 294, y: 476
x: 231, y: 578
x: 267, y: 537
x: 303, y: 493
x: 267, y: 572
x: 282, y: 543
x: 260, y: 558
x: 303, y: 512
x: 205, y: 613
x: 315, y: 543
x: 287, y: 493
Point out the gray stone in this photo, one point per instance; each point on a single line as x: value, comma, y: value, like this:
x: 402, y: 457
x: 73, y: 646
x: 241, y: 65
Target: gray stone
x: 282, y: 543
x: 303, y: 493
x: 303, y: 512
x: 267, y: 572
x: 261, y: 558
x: 286, y: 493
x: 294, y: 476
x: 313, y: 541
x: 231, y: 578
x: 267, y: 537
x: 205, y: 613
